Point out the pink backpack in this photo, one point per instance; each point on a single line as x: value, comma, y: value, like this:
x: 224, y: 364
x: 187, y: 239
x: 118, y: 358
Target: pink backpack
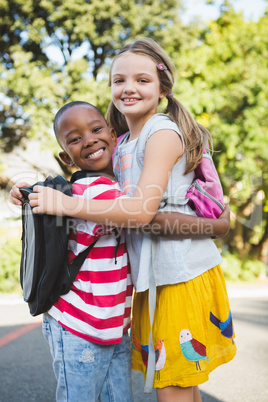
x: 205, y: 194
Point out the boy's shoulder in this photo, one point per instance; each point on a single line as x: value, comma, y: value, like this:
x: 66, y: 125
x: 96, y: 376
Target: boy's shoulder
x: 93, y: 185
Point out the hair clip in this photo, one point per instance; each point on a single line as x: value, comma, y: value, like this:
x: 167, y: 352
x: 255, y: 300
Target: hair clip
x: 169, y: 95
x: 161, y: 67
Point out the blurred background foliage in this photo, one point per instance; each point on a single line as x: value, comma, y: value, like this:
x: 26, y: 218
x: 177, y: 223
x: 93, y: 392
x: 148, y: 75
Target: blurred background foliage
x: 54, y: 51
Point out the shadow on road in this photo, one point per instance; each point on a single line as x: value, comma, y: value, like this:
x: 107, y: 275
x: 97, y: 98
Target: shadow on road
x: 254, y: 312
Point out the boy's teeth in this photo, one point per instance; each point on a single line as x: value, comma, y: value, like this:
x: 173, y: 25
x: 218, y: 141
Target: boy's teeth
x: 96, y: 153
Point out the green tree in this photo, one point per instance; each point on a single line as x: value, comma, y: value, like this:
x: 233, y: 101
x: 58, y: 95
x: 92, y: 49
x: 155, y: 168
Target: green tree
x: 40, y: 66
x: 223, y: 76
x: 56, y: 51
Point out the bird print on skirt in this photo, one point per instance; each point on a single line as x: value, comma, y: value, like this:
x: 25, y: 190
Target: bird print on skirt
x: 192, y: 349
x: 160, y: 353
x: 226, y: 327
x: 160, y: 357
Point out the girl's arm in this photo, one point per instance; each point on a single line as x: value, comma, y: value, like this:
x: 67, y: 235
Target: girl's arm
x: 168, y: 224
x: 163, y: 150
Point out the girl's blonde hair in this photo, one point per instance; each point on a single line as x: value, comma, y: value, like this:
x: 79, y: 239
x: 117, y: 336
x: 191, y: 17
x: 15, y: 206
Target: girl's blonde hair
x: 194, y: 134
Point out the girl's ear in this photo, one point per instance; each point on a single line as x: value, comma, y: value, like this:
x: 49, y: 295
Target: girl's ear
x: 163, y: 94
x: 66, y: 158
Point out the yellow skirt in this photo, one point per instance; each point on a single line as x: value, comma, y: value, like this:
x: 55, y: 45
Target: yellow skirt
x: 192, y: 330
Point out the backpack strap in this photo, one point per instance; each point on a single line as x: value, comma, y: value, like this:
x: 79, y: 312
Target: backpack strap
x: 81, y: 174
x: 172, y: 199
x: 77, y: 263
x: 117, y: 234
x: 152, y: 302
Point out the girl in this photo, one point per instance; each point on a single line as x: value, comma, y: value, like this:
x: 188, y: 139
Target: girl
x: 192, y: 331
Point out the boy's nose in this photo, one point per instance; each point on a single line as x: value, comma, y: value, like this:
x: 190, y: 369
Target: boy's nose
x: 90, y: 140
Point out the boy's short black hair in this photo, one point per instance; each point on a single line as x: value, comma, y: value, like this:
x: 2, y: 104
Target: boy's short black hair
x: 67, y: 106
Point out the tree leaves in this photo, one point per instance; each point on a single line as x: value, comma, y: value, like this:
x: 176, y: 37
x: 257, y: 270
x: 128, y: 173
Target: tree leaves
x: 56, y: 51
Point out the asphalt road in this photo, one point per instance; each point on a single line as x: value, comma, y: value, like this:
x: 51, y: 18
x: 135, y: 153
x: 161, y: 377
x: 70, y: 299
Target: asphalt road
x: 25, y: 364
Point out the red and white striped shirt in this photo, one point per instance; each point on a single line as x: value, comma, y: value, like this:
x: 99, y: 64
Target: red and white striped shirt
x: 98, y: 306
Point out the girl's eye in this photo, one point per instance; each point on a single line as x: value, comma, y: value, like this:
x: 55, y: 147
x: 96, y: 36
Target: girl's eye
x: 143, y: 80
x: 118, y: 81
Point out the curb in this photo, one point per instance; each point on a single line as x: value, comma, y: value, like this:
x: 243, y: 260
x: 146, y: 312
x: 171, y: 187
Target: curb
x: 234, y: 292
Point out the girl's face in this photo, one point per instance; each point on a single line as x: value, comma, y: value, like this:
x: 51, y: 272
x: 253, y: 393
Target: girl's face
x: 135, y: 86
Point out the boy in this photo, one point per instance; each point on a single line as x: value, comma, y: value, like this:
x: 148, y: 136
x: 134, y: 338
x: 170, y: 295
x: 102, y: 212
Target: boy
x: 87, y: 328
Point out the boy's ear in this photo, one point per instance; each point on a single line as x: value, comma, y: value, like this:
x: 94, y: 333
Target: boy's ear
x: 66, y: 158
x: 113, y: 135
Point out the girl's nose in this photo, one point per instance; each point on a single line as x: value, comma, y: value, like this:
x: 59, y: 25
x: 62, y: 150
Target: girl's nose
x: 129, y: 87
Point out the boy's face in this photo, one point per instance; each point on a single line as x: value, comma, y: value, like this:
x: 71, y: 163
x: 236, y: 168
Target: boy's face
x: 86, y: 139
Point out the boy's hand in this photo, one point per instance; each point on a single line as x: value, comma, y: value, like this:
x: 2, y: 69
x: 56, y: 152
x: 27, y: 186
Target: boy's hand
x: 47, y: 200
x: 224, y: 218
x: 225, y: 214
x: 15, y: 196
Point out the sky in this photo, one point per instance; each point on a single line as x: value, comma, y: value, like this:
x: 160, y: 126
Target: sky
x: 252, y: 9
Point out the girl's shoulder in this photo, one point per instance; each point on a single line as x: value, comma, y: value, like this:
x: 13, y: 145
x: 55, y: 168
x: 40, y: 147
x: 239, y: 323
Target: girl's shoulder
x: 159, y: 121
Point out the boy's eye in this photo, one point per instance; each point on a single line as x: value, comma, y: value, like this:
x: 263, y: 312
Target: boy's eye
x: 74, y: 140
x: 96, y: 129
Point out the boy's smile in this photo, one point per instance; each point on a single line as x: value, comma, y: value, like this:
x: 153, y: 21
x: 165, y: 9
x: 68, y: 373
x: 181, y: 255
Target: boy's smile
x: 86, y: 139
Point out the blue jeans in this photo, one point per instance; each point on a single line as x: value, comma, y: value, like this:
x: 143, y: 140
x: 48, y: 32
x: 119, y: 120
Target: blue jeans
x: 86, y: 371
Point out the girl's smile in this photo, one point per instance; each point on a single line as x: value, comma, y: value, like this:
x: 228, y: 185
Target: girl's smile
x: 131, y: 101
x: 135, y: 87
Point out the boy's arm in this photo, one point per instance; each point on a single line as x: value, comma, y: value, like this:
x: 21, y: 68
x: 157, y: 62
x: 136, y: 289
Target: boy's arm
x: 169, y: 224
x: 182, y: 226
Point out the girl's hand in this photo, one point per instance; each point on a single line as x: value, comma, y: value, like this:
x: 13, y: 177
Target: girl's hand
x: 15, y: 196
x: 47, y: 200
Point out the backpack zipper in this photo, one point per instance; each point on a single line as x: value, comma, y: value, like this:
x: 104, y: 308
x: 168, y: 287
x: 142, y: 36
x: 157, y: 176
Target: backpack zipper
x: 202, y: 191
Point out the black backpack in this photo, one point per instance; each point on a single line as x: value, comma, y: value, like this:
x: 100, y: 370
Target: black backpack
x: 45, y: 273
